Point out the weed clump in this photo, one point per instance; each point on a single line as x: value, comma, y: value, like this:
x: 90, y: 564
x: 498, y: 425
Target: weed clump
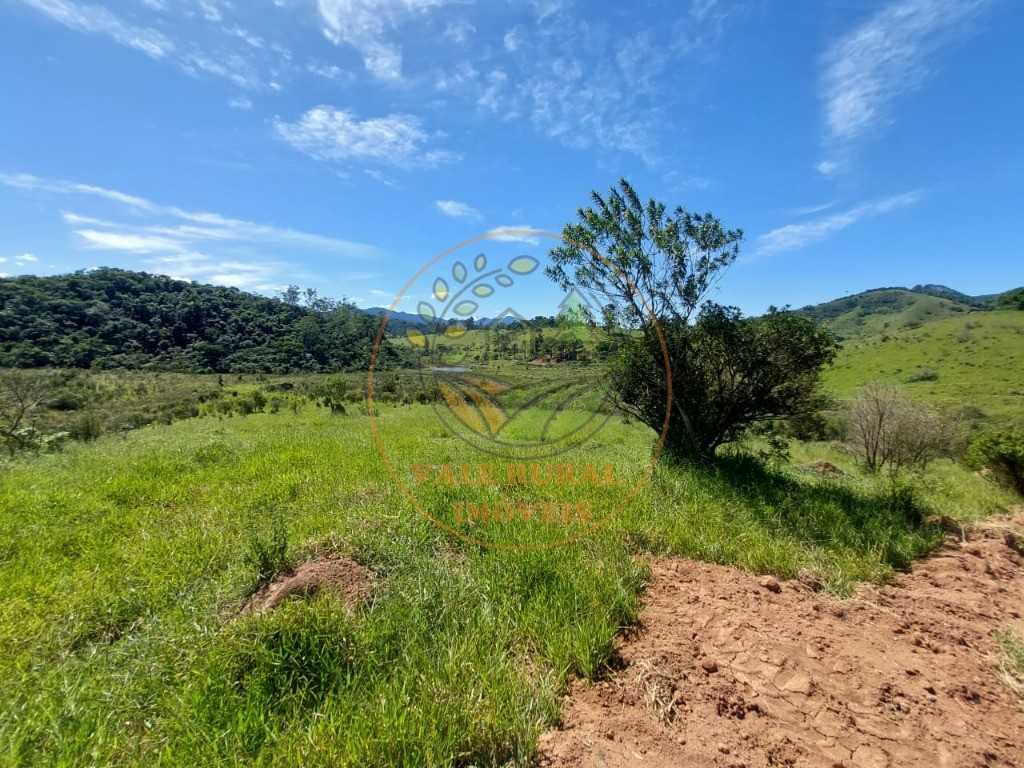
x: 267, y: 551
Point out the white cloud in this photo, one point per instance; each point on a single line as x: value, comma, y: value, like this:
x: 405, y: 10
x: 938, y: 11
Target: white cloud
x: 379, y: 176
x: 326, y: 133
x: 245, y: 35
x: 457, y: 210
x: 515, y: 233
x: 868, y: 68
x: 511, y: 40
x: 795, y: 236
x: 234, y: 67
x: 547, y: 8
x: 240, y: 102
x: 96, y: 19
x: 365, y: 24
x: 808, y: 210
x: 184, y: 243
x: 459, y: 31
x: 120, y: 241
x: 828, y: 167
x: 234, y: 60
x: 328, y: 71
x: 211, y: 226
x: 25, y: 258
x: 211, y: 10
x: 589, y: 87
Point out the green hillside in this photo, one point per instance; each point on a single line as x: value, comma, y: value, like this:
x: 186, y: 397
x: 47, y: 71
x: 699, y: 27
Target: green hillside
x: 884, y: 310
x: 971, y: 361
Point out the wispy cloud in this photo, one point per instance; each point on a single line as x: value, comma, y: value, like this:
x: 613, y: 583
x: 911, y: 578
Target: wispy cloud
x: 457, y: 210
x: 515, y: 233
x: 336, y: 135
x: 890, y: 54
x: 795, y: 236
x: 238, y: 56
x: 587, y: 86
x: 95, y: 19
x: 366, y: 25
x: 809, y: 210
x: 184, y: 243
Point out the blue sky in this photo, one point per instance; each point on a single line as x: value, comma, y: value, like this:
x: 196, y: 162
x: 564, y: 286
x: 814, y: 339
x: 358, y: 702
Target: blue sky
x: 342, y: 144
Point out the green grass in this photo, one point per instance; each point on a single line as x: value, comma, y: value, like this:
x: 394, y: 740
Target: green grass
x: 1011, y: 668
x: 977, y: 361
x: 123, y: 566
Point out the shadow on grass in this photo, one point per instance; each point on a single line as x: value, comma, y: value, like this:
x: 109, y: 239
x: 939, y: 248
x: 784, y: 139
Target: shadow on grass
x: 884, y: 517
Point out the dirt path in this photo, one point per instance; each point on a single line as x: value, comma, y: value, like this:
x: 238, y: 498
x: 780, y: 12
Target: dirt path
x: 730, y: 669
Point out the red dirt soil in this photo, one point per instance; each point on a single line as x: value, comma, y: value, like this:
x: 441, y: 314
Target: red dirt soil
x: 732, y: 669
x: 346, y: 580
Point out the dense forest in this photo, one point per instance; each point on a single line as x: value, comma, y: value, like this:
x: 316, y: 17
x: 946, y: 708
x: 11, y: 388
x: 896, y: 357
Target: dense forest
x: 112, y: 318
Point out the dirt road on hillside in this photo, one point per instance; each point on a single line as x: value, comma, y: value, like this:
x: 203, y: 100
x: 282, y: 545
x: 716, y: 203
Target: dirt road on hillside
x: 731, y: 669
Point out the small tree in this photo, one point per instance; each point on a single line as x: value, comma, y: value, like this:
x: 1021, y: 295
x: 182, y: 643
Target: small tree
x: 728, y: 374
x: 334, y: 391
x: 886, y: 430
x: 1003, y: 453
x: 657, y: 270
x: 22, y: 396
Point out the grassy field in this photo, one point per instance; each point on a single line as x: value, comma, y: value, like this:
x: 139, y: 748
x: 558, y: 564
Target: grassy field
x: 123, y: 568
x: 973, y: 364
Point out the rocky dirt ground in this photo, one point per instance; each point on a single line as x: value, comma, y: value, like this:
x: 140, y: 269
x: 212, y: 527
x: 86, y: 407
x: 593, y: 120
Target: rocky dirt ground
x: 732, y: 669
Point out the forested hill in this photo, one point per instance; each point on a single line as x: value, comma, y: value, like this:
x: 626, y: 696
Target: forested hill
x: 112, y: 318
x: 884, y: 310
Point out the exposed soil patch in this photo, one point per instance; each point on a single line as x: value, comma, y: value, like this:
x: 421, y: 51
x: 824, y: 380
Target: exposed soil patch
x: 730, y: 669
x: 824, y: 468
x: 344, y: 579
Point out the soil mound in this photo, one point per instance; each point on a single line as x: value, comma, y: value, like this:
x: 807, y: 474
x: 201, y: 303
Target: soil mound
x: 824, y: 468
x: 729, y: 669
x: 344, y: 579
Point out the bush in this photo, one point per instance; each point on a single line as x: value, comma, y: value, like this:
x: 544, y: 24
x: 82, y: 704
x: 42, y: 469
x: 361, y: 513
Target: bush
x: 267, y: 551
x: 88, y: 428
x: 884, y: 429
x: 333, y: 392
x: 922, y: 374
x: 813, y: 427
x: 1003, y: 453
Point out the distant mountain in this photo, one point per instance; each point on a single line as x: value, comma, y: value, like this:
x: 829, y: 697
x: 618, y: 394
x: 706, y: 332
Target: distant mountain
x: 400, y: 319
x: 405, y: 317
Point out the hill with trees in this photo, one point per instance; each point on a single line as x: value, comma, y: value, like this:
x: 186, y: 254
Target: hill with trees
x: 117, y: 319
x: 886, y: 310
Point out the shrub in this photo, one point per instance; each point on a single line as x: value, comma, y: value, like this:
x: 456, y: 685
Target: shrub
x: 333, y: 392
x: 88, y: 428
x: 1003, y: 453
x: 884, y: 429
x: 922, y: 374
x: 814, y: 426
x: 267, y: 551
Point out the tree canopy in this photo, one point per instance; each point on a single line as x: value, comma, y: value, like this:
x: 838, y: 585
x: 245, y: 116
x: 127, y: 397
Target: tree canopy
x: 704, y: 367
x: 113, y: 318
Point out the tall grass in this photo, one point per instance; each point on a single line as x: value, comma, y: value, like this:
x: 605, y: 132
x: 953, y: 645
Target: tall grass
x: 123, y: 565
